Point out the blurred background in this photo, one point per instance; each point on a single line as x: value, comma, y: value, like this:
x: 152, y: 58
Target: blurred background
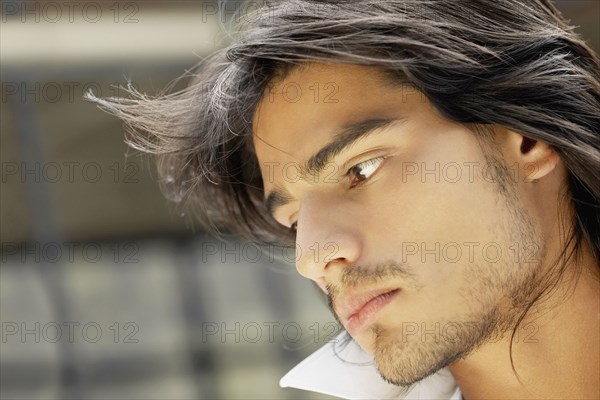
x: 106, y: 289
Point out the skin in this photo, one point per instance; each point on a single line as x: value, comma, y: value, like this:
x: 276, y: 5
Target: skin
x: 377, y: 231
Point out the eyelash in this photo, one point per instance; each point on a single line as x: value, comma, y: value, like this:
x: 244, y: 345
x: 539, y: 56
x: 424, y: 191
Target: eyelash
x: 294, y: 226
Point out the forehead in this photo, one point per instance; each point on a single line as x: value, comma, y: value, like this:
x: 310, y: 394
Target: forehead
x: 300, y: 114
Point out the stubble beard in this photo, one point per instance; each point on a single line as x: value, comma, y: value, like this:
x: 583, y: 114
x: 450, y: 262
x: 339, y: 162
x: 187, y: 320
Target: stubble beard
x: 499, y: 292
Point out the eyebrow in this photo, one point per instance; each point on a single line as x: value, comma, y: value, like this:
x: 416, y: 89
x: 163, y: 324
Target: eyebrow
x: 345, y: 138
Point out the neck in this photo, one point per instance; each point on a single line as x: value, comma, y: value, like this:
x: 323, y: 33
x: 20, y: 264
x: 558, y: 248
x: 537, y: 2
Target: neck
x: 555, y: 349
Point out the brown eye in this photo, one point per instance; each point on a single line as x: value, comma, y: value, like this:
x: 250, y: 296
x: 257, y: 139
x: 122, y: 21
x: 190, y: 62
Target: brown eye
x: 363, y: 171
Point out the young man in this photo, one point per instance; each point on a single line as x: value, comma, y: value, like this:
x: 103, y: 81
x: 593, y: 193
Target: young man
x: 435, y: 163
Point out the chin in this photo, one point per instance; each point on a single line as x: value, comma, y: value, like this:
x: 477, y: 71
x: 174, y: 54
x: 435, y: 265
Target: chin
x: 404, y: 363
x: 408, y: 365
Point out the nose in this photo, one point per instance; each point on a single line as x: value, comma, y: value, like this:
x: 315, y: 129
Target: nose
x: 327, y: 238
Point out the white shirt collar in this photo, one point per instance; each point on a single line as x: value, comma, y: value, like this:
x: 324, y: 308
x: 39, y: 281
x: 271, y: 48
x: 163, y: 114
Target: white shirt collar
x: 350, y: 373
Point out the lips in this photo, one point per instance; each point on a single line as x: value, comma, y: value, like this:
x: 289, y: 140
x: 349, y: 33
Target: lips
x: 358, y: 310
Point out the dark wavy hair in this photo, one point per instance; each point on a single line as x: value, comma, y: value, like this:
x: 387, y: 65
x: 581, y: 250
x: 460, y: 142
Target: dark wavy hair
x: 515, y: 63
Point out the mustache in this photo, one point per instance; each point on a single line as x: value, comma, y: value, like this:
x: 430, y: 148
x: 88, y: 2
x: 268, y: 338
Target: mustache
x: 360, y: 276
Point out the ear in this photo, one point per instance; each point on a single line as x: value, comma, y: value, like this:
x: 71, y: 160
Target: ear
x: 536, y: 159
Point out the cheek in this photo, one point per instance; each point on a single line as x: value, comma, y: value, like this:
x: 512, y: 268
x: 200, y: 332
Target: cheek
x: 432, y: 221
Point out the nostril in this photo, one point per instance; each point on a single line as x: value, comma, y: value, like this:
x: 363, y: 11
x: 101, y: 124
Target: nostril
x: 339, y: 260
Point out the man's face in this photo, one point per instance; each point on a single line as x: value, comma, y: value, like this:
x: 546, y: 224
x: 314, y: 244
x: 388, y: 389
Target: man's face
x: 406, y: 229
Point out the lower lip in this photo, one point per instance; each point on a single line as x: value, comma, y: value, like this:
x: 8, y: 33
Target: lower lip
x: 366, y: 314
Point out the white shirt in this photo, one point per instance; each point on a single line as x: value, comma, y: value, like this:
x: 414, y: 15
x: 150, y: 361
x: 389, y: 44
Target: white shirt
x: 351, y: 374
